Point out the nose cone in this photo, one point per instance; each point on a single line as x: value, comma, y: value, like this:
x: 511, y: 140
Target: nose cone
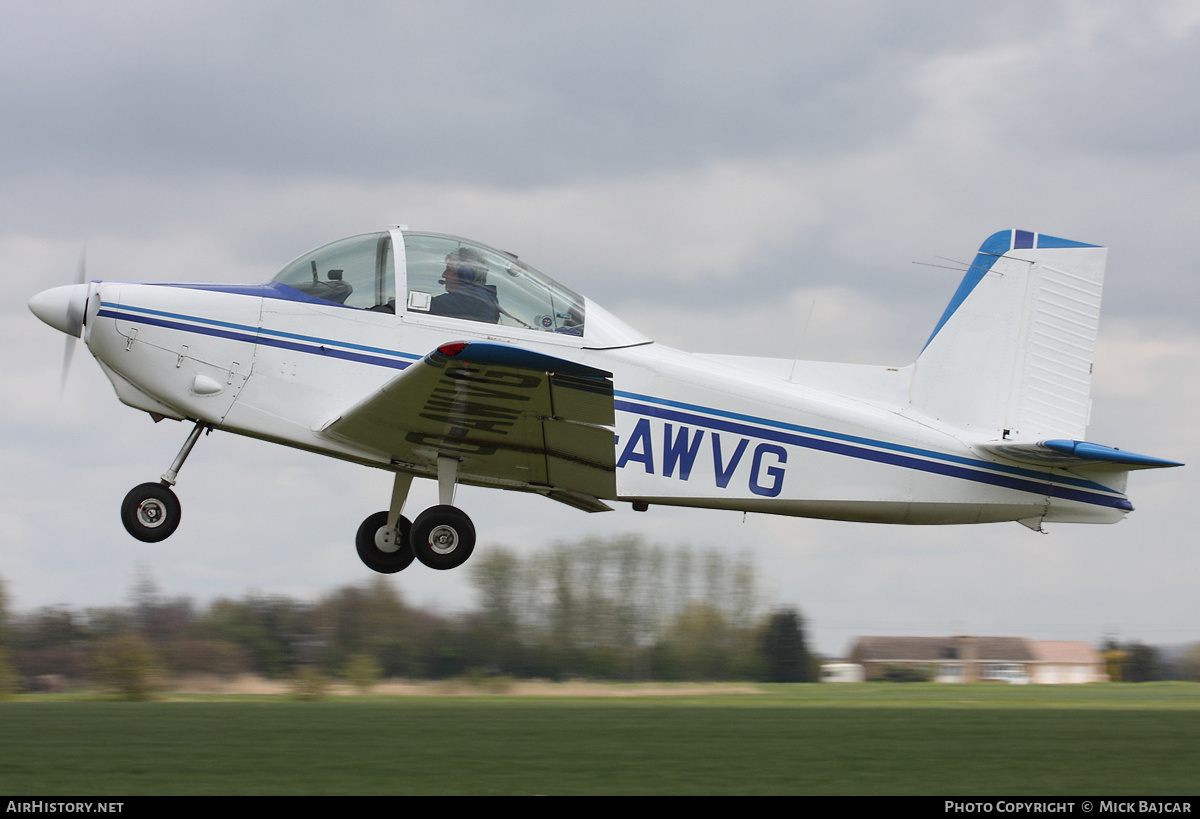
x: 62, y: 307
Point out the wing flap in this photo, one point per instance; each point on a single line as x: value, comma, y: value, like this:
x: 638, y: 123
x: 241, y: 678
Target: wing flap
x: 577, y: 456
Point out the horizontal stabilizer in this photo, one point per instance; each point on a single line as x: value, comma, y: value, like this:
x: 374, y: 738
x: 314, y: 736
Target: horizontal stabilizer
x: 1067, y: 454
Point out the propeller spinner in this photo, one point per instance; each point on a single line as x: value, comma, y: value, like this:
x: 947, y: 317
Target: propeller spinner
x: 64, y: 309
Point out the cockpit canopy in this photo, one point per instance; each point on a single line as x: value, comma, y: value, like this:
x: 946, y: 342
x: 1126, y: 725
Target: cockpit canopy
x: 441, y: 276
x: 354, y: 272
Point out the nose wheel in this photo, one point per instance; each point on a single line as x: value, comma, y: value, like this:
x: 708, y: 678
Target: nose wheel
x: 150, y: 512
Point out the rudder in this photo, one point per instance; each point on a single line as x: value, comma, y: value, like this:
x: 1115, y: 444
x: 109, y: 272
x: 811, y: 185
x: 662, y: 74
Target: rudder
x: 1011, y: 356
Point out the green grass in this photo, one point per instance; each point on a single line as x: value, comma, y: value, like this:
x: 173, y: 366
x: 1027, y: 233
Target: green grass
x: 860, y: 739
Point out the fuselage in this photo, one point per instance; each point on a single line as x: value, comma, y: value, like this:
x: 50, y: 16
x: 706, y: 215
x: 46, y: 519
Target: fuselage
x: 805, y: 439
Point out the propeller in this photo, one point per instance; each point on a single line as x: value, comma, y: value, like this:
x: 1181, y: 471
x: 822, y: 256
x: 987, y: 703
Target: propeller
x: 64, y: 309
x: 75, y: 316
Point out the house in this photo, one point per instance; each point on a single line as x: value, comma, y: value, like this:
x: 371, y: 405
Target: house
x: 947, y: 659
x: 1065, y: 661
x: 842, y: 672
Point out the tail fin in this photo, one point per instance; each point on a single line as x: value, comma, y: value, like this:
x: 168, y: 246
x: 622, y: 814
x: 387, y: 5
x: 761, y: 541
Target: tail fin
x: 1011, y: 356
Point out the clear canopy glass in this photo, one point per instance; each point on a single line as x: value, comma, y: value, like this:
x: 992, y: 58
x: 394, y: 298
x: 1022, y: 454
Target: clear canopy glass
x: 356, y: 272
x: 444, y: 275
x: 448, y: 276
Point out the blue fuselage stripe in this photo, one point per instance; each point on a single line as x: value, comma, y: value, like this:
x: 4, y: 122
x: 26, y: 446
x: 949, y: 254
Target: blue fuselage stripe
x: 259, y: 331
x: 922, y: 460
x: 1037, y: 487
x: 321, y: 347
x: 973, y: 463
x: 1035, y: 482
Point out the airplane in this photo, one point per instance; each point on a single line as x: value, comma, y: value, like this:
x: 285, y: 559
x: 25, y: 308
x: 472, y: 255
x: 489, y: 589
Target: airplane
x: 433, y: 356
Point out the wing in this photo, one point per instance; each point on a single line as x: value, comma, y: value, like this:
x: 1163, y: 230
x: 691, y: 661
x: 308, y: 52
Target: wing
x: 512, y: 417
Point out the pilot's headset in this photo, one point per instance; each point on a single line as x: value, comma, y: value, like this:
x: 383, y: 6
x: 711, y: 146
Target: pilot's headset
x: 469, y: 264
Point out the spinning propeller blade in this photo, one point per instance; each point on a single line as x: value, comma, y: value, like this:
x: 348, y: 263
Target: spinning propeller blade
x: 75, y: 317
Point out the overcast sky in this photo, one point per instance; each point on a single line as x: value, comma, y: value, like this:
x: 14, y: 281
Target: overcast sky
x: 711, y: 172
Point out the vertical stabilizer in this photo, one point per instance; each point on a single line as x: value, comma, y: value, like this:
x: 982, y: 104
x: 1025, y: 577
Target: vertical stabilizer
x: 1011, y: 357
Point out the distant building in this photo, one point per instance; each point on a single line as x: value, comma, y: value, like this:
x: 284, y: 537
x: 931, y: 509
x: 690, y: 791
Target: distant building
x: 979, y: 659
x: 842, y: 672
x: 1064, y: 661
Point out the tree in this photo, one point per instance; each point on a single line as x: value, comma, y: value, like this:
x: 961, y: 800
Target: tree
x: 1115, y: 659
x: 698, y: 645
x: 363, y: 672
x: 8, y: 676
x: 369, y: 619
x: 497, y: 577
x: 126, y: 666
x: 1188, y: 666
x: 4, y: 615
x: 1131, y: 662
x: 51, y: 641
x: 1143, y: 664
x: 269, y: 629
x: 785, y: 656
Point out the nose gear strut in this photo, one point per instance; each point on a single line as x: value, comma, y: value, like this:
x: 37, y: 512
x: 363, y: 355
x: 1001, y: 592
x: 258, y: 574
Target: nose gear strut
x: 151, y: 511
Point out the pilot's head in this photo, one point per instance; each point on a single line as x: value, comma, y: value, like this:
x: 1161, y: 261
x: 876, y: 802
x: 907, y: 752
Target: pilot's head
x: 465, y: 266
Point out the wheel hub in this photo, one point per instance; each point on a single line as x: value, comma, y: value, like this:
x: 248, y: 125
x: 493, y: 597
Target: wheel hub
x: 443, y: 539
x: 386, y: 540
x: 151, y: 513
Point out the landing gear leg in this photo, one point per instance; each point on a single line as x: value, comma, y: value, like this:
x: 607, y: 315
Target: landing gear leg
x: 382, y: 541
x: 150, y: 511
x: 168, y: 478
x: 447, y: 479
x: 442, y: 536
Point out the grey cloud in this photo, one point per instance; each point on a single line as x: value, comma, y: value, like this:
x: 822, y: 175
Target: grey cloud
x: 499, y: 94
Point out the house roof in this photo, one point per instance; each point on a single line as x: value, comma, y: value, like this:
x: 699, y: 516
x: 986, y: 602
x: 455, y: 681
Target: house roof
x: 1064, y: 651
x: 940, y: 649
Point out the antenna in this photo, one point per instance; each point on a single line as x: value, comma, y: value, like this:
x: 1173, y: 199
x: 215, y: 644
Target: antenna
x: 800, y: 343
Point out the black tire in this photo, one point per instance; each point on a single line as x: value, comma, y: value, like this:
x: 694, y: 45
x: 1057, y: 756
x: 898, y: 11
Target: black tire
x: 442, y: 537
x: 377, y: 559
x: 151, y: 512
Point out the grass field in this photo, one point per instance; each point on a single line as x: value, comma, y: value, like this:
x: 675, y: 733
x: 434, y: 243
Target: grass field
x: 828, y: 739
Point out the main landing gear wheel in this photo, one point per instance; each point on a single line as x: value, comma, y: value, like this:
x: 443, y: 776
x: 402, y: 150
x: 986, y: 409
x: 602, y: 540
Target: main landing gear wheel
x: 377, y: 546
x: 150, y: 512
x: 442, y: 537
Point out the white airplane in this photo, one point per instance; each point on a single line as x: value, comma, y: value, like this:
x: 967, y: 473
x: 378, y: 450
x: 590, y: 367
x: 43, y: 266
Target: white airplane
x: 487, y: 372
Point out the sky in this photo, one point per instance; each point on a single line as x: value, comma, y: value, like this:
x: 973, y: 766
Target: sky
x: 760, y: 178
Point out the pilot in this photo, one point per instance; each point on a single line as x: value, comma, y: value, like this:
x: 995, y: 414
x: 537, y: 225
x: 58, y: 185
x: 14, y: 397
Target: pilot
x: 468, y: 295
